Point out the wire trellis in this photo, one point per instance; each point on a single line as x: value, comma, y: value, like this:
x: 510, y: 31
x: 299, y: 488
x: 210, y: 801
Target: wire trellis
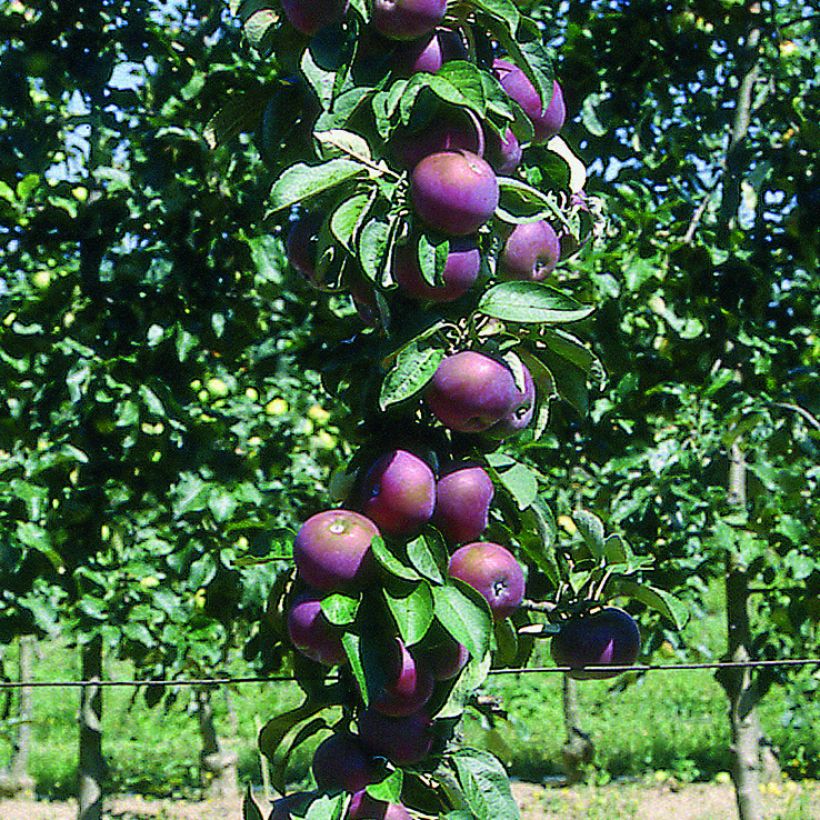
x: 525, y: 670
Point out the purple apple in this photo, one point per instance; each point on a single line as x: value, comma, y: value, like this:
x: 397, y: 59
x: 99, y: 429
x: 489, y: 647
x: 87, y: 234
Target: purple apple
x: 454, y: 192
x: 407, y: 19
x: 364, y: 807
x: 460, y: 271
x: 445, y: 658
x: 302, y: 245
x: 504, y: 153
x: 364, y: 300
x: 493, y: 571
x: 520, y: 416
x: 546, y: 122
x: 332, y: 551
x: 429, y: 53
x: 408, y: 686
x: 285, y: 808
x: 311, y: 632
x: 530, y: 253
x: 341, y: 762
x: 403, y: 741
x: 310, y: 16
x: 463, y: 498
x: 451, y: 130
x: 608, y: 636
x: 470, y: 392
x: 399, y: 493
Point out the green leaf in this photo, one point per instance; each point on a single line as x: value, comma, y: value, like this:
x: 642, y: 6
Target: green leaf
x: 485, y: 784
x: 538, y: 539
x: 340, y: 609
x: 352, y: 644
x: 432, y: 258
x: 250, y: 811
x: 347, y: 219
x: 373, y: 248
x: 521, y: 203
x: 502, y: 10
x: 221, y: 504
x: 389, y: 789
x: 589, y: 115
x: 465, y: 614
x: 428, y: 554
x: 531, y: 303
x: 522, y: 484
x: 668, y: 605
x: 414, y: 367
x: 591, y: 530
x: 412, y: 608
x: 395, y: 564
x: 471, y: 678
x: 301, y: 182
x: 327, y: 807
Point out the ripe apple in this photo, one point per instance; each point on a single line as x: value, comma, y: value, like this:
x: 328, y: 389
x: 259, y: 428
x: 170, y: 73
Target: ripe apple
x: 408, y: 686
x: 454, y: 192
x: 493, y: 571
x: 547, y: 122
x: 460, y: 271
x: 399, y: 493
x: 520, y: 416
x: 531, y: 252
x: 504, y: 153
x: 310, y: 16
x: 332, y: 551
x: 364, y: 807
x: 302, y: 245
x: 287, y: 807
x: 470, y: 392
x: 341, y: 762
x: 311, y: 632
x: 450, y: 130
x: 403, y: 741
x: 444, y: 658
x: 463, y: 498
x: 429, y: 53
x: 407, y: 19
x: 608, y: 636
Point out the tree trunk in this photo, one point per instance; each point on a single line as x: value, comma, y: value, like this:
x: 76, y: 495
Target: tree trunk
x: 220, y: 778
x: 578, y: 751
x: 739, y: 684
x: 92, y: 764
x: 17, y: 779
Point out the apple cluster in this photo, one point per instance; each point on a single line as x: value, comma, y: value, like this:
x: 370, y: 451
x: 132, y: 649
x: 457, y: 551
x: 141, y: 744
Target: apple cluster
x: 396, y: 496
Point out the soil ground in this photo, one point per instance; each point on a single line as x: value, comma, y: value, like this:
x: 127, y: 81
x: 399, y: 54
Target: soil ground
x: 698, y: 801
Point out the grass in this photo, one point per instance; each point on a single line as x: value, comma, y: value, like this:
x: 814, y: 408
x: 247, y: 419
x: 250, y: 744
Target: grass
x: 672, y: 722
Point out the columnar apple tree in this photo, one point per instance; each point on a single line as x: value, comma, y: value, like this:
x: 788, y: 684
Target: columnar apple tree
x: 424, y: 191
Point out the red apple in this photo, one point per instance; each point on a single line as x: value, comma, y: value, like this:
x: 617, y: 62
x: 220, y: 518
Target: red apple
x: 608, y: 636
x: 399, y: 493
x: 364, y: 807
x: 332, y: 551
x: 520, y: 416
x: 470, y: 392
x: 444, y: 658
x: 493, y: 571
x: 312, y: 634
x: 450, y: 130
x: 460, y: 271
x: 341, y: 762
x: 504, y: 153
x: 403, y: 741
x: 407, y: 19
x: 310, y: 16
x: 454, y: 192
x: 429, y: 53
x: 302, y: 245
x: 463, y: 498
x: 408, y: 686
x: 530, y: 253
x: 547, y: 122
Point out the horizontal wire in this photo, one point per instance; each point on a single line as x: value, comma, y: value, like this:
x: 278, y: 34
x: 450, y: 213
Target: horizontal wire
x: 525, y: 670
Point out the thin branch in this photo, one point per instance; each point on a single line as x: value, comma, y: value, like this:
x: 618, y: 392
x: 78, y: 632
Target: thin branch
x: 801, y: 411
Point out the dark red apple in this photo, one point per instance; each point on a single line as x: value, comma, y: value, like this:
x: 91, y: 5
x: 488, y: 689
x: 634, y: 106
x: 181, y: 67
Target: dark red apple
x: 504, y: 153
x: 341, y: 762
x: 445, y: 658
x: 310, y: 16
x: 399, y: 493
x: 364, y: 807
x: 459, y: 274
x: 302, y: 245
x: 530, y: 253
x: 287, y: 807
x: 403, y: 741
x: 312, y: 634
x: 408, y: 686
x: 332, y: 551
x: 546, y: 122
x: 608, y: 636
x: 454, y: 192
x: 520, y: 416
x: 407, y: 19
x: 429, y: 53
x: 364, y: 300
x: 493, y: 571
x: 450, y: 130
x: 470, y: 392
x: 463, y: 498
